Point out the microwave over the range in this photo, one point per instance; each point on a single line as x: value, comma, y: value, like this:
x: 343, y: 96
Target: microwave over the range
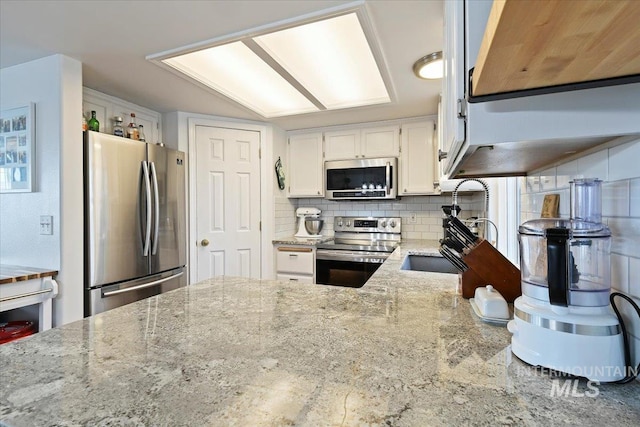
x: 361, y: 179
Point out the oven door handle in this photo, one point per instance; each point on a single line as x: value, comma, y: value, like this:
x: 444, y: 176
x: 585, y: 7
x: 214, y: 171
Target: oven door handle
x: 352, y: 256
x: 388, y: 177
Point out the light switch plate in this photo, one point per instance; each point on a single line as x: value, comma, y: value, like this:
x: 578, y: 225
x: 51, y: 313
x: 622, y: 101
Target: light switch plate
x: 413, y: 218
x: 46, y: 224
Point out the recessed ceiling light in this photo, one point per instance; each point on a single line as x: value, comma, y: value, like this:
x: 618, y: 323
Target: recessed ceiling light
x: 235, y: 71
x: 429, y: 66
x: 332, y: 59
x: 322, y: 65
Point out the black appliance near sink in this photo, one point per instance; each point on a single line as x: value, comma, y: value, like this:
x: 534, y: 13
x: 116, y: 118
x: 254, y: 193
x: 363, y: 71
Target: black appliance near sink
x: 360, y: 246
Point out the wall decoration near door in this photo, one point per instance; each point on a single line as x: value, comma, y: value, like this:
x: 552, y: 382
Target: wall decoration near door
x: 280, y: 174
x: 17, y: 149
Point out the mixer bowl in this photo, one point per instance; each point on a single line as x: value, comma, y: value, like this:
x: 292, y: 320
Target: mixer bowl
x: 313, y: 226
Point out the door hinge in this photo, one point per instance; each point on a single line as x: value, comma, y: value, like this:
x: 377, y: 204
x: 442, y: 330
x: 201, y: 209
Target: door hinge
x: 260, y: 226
x: 434, y: 127
x: 259, y: 153
x: 462, y: 108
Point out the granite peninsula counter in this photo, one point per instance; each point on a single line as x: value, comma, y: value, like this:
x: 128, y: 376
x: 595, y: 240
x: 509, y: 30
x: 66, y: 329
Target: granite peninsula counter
x: 404, y: 350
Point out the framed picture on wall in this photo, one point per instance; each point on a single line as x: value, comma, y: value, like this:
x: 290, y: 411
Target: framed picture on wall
x: 17, y: 149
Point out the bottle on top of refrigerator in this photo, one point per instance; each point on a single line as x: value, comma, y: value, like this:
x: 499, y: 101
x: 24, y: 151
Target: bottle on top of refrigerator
x: 132, y: 129
x: 85, y: 125
x: 141, y: 136
x: 118, y: 130
x: 94, y: 124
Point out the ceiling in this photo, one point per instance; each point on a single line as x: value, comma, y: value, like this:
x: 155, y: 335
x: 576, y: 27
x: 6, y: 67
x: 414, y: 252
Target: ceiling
x: 112, y: 39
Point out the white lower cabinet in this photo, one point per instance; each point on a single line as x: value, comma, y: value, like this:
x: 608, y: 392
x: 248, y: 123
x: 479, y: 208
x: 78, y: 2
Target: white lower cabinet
x: 295, y: 263
x: 294, y: 278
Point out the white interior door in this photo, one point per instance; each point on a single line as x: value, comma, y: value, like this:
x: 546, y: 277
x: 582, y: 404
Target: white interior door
x: 227, y: 202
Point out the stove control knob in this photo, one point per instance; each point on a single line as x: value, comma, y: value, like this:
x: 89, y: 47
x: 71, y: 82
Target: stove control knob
x: 348, y: 223
x: 392, y: 223
x: 340, y: 223
x: 383, y: 223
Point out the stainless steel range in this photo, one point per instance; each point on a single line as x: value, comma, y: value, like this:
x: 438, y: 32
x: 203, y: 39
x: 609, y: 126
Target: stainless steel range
x: 360, y: 246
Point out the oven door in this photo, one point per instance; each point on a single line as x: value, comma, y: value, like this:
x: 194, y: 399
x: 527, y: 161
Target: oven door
x: 346, y: 268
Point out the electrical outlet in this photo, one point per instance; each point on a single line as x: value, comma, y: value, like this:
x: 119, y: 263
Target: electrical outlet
x: 413, y: 218
x: 46, y: 224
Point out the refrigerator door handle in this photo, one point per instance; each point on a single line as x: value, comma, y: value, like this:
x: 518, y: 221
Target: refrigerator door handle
x: 144, y: 285
x: 156, y: 209
x: 147, y: 187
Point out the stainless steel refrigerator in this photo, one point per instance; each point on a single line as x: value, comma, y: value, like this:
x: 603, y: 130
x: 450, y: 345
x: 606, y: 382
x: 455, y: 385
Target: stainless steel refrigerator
x: 135, y: 221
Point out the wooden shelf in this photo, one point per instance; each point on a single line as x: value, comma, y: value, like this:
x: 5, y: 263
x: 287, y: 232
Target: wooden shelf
x: 533, y: 44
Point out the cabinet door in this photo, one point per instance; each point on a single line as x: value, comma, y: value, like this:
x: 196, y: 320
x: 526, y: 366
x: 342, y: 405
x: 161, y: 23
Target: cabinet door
x: 295, y: 261
x: 342, y: 145
x: 294, y: 278
x: 305, y: 165
x: 107, y: 107
x: 418, y: 160
x: 453, y: 86
x: 380, y: 142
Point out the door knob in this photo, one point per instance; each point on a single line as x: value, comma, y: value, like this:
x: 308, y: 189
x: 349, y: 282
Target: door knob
x: 204, y: 242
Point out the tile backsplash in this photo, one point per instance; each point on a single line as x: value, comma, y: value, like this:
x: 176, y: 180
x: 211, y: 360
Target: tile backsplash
x: 617, y: 168
x: 427, y: 211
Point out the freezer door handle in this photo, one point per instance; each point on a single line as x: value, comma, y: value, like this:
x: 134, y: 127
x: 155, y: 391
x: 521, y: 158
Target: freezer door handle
x: 147, y: 188
x: 144, y: 285
x: 156, y: 208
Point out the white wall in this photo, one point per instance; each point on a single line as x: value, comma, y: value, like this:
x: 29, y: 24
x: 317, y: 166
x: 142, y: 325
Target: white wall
x: 618, y: 168
x: 285, y: 208
x: 54, y: 84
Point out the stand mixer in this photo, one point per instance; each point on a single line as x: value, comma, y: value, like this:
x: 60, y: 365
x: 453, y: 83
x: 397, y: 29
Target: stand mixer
x: 305, y: 230
x: 563, y: 320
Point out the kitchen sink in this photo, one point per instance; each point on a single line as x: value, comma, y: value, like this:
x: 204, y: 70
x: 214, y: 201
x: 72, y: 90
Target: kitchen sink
x: 430, y: 263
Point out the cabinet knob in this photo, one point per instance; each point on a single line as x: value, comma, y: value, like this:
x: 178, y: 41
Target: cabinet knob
x: 204, y: 242
x: 318, y: 193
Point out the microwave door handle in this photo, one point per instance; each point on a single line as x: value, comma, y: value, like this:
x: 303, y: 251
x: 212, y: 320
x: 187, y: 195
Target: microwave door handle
x: 388, y: 177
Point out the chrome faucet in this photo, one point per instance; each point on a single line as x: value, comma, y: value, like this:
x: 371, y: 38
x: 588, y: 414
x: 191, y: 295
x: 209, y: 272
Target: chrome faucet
x: 485, y: 213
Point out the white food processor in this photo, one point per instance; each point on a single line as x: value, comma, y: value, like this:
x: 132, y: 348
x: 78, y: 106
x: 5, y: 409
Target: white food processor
x: 309, y: 224
x: 563, y: 320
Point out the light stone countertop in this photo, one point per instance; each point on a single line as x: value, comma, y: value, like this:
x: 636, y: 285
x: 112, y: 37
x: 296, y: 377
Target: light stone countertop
x: 404, y: 350
x: 301, y: 241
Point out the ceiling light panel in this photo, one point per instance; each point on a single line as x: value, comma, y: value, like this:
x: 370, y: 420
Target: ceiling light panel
x: 331, y: 59
x: 235, y: 71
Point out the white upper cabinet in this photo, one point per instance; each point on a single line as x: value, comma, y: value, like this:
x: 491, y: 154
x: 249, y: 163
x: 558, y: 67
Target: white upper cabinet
x: 107, y: 107
x: 507, y: 134
x: 342, y: 144
x: 380, y: 142
x: 305, y: 165
x: 418, y: 161
x: 358, y: 143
